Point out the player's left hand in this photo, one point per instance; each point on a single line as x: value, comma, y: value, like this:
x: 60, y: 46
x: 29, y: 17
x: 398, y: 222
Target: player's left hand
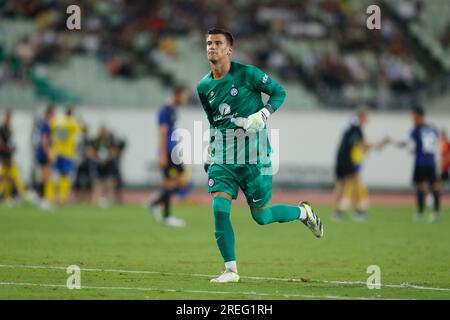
x: 255, y: 122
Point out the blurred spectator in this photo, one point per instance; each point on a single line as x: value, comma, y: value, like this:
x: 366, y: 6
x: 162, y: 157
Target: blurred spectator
x: 26, y: 53
x: 87, y: 168
x: 445, y: 157
x: 399, y: 72
x: 445, y: 39
x: 107, y: 155
x: 410, y: 10
x: 11, y: 184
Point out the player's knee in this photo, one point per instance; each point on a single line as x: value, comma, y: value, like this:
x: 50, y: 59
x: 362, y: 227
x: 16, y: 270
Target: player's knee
x: 221, y: 204
x: 262, y: 217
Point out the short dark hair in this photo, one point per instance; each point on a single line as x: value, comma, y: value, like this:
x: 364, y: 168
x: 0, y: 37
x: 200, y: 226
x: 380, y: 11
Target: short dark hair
x: 178, y: 89
x: 362, y: 109
x: 50, y: 109
x: 419, y: 110
x: 227, y: 34
x: 69, y: 111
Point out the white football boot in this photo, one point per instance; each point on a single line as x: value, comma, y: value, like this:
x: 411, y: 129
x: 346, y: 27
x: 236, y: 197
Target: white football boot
x: 312, y: 221
x: 174, y: 222
x: 227, y: 276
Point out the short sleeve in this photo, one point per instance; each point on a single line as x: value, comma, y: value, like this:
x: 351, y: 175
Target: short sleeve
x: 163, y: 117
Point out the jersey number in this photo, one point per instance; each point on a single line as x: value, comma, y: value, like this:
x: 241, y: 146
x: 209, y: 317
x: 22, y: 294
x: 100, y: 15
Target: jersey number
x: 429, y: 142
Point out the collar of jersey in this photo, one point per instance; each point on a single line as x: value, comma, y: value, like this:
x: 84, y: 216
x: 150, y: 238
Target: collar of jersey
x: 225, y: 77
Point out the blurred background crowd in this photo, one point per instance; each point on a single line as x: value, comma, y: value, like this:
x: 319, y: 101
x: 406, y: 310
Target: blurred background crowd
x: 319, y: 47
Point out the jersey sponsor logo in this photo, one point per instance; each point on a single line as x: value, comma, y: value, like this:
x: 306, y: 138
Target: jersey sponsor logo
x: 224, y: 109
x: 225, y: 112
x: 265, y: 78
x: 210, y: 182
x: 234, y: 91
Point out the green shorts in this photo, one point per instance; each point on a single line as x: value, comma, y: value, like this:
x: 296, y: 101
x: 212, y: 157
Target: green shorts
x: 255, y: 180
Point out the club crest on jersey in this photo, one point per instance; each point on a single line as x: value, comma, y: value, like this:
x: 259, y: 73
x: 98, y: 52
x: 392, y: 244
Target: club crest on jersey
x: 234, y: 91
x: 210, y: 182
x: 211, y: 94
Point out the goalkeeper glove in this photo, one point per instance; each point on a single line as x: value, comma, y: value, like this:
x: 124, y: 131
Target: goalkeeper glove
x: 255, y: 122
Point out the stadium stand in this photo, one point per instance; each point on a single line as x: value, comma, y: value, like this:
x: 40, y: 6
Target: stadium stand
x: 131, y: 53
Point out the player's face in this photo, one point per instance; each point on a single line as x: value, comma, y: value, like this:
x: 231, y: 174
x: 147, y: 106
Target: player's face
x: 418, y: 119
x: 217, y: 48
x: 182, y: 98
x: 363, y: 118
x: 8, y: 117
x: 103, y: 131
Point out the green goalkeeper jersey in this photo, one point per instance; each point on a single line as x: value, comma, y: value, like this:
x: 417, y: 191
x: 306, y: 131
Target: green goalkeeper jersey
x: 238, y: 95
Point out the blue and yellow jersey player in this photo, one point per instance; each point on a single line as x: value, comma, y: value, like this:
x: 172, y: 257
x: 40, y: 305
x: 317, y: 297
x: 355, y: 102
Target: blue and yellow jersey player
x: 350, y: 157
x: 11, y: 184
x: 175, y: 177
x: 65, y: 131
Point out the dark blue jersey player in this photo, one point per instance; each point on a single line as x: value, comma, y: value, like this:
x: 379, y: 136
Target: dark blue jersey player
x: 44, y: 158
x: 174, y: 175
x: 425, y: 139
x: 350, y: 156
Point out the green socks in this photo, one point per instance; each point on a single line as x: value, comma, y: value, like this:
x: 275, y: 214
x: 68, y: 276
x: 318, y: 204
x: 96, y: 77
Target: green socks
x: 223, y: 231
x: 276, y: 213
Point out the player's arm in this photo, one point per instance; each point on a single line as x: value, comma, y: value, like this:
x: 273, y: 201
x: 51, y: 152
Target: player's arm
x: 261, y: 82
x: 2, y: 143
x: 408, y: 144
x: 162, y: 138
x: 446, y: 157
x: 205, y: 104
x: 45, y: 143
x: 5, y: 146
x: 366, y: 145
x: 207, y: 108
x: 163, y: 128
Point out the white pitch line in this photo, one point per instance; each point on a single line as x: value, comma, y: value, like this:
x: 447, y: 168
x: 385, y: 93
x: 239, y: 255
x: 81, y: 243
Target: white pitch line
x: 401, y: 286
x: 259, y: 294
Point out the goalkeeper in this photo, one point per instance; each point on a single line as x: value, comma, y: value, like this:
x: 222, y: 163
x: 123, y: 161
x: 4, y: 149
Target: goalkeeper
x: 231, y: 97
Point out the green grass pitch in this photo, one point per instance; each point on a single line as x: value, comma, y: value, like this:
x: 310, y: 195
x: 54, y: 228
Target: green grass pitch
x: 124, y: 254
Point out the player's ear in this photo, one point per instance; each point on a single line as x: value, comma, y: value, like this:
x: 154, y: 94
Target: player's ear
x: 230, y: 51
